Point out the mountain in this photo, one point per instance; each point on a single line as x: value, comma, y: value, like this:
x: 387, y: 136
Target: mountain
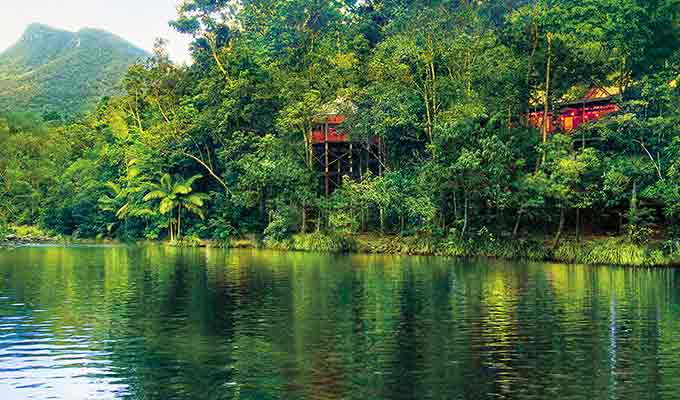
x: 51, y: 70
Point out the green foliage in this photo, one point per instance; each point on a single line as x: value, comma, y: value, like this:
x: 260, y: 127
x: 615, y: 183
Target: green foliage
x: 344, y: 222
x: 638, y: 234
x: 189, y: 241
x: 30, y: 233
x: 315, y: 242
x: 411, y: 245
x: 435, y: 96
x: 281, y: 226
x: 321, y: 242
x: 176, y: 195
x: 610, y: 252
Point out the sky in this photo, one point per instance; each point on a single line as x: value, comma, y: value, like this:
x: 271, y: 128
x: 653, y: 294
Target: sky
x: 138, y: 21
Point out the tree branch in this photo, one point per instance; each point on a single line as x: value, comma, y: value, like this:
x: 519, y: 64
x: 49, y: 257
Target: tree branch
x: 210, y: 171
x: 656, y: 165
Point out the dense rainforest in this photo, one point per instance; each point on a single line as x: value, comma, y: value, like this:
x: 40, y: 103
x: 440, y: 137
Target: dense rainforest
x: 219, y: 149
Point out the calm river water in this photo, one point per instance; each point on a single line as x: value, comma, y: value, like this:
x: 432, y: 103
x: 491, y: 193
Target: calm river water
x: 163, y: 323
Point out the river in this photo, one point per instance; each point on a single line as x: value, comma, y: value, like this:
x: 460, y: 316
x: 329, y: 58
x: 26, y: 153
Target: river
x: 164, y: 323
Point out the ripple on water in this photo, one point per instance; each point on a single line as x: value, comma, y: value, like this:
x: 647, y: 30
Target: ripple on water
x: 135, y: 323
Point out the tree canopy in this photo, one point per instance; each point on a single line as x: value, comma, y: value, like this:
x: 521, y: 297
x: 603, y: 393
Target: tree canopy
x: 445, y: 86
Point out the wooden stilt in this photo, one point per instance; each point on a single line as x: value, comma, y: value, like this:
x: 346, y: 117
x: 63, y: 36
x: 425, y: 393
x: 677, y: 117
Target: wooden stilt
x: 325, y: 128
x: 361, y: 165
x: 380, y: 158
x: 368, y: 157
x: 351, y: 162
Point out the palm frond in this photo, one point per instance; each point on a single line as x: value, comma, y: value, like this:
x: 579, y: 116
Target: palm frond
x: 194, y: 210
x: 123, y: 211
x: 143, y: 213
x: 114, y: 187
x: 106, y: 203
x: 166, y: 206
x: 133, y: 172
x: 156, y: 194
x: 181, y: 189
x: 190, y: 182
x: 197, y: 199
x: 166, y: 181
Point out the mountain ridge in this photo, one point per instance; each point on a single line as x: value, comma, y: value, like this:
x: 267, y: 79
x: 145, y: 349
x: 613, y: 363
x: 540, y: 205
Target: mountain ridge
x: 50, y: 70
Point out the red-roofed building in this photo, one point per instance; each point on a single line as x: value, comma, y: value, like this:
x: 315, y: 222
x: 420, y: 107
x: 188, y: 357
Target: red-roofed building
x: 336, y: 154
x: 597, y: 103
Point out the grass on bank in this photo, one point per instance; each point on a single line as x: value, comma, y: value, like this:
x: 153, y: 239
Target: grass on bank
x: 605, y: 251
x: 599, y: 251
x: 613, y: 251
x: 28, y: 233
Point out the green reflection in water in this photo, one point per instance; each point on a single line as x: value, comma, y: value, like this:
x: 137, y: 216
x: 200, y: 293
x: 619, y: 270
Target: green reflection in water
x: 164, y: 323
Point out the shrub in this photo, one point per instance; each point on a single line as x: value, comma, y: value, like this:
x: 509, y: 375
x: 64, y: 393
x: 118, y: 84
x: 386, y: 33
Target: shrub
x: 639, y: 234
x: 613, y: 251
x: 29, y: 232
x: 189, y: 241
x: 640, y: 220
x: 4, y: 230
x: 343, y: 222
x: 243, y: 243
x: 413, y: 245
x: 454, y: 246
x: 570, y: 252
x: 322, y: 242
x: 280, y: 227
x: 523, y: 249
x: 672, y: 247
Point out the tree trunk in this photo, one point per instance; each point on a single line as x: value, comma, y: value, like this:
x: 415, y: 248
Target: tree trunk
x: 517, y: 222
x: 633, y: 205
x: 578, y: 225
x: 179, y: 222
x: 558, y: 236
x: 455, y: 207
x: 263, y: 213
x: 382, y: 220
x: 303, y: 228
x: 530, y: 64
x: 319, y: 219
x: 621, y: 75
x: 465, y: 215
x: 171, y: 226
x: 546, y: 95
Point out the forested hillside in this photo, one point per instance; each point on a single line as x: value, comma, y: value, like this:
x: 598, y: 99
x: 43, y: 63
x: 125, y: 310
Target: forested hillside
x: 220, y: 148
x: 49, y: 71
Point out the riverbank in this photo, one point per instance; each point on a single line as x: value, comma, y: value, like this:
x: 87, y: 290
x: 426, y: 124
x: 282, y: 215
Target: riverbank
x: 590, y: 251
x: 17, y: 236
x: 593, y: 251
x: 25, y: 235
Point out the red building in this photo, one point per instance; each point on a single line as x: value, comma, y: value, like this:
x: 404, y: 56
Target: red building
x: 328, y: 130
x: 596, y: 104
x: 336, y: 154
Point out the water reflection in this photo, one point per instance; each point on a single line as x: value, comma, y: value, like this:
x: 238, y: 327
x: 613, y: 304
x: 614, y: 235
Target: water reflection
x: 163, y: 323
